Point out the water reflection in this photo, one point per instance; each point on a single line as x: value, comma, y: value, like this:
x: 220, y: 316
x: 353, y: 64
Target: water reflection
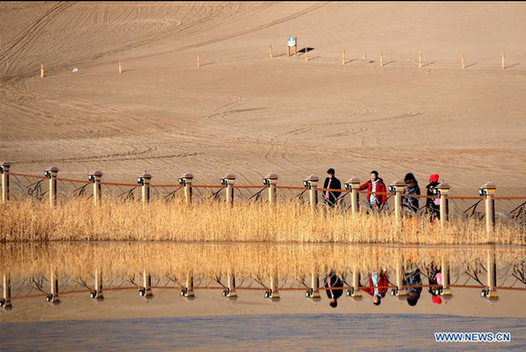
x: 247, y: 275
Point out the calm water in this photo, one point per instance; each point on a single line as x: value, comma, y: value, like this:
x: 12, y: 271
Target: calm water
x: 255, y: 333
x: 125, y: 320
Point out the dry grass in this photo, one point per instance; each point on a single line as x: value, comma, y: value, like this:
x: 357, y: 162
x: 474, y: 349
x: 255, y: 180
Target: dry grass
x: 79, y: 220
x: 244, y: 260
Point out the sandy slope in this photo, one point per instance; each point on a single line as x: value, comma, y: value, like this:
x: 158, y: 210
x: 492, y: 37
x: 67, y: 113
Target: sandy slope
x: 249, y: 114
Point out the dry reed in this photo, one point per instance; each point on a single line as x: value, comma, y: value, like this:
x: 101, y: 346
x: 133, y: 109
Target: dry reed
x: 79, y: 220
x: 23, y: 260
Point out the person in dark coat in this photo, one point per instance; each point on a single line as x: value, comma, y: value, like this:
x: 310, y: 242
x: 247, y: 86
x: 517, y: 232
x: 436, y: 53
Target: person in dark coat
x: 375, y: 184
x: 433, y: 204
x: 413, y: 279
x: 411, y: 187
x: 331, y: 182
x: 335, y: 285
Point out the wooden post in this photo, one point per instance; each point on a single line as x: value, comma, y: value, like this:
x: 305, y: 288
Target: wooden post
x: 343, y: 57
x: 312, y: 183
x: 363, y: 56
x: 398, y: 190
x: 354, y: 184
x: 42, y: 71
x: 288, y: 51
x: 271, y: 181
x: 443, y: 189
x: 489, y: 191
x: 144, y: 180
x: 5, y: 181
x: 186, y: 181
x: 120, y: 67
x: 270, y: 50
x: 462, y: 61
x: 96, y: 177
x: 306, y: 54
x: 52, y: 173
x: 503, y: 61
x: 382, y: 59
x: 230, y: 180
x: 420, y: 59
x: 197, y: 59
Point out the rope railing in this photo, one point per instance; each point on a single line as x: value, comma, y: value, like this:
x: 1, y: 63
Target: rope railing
x: 507, y: 209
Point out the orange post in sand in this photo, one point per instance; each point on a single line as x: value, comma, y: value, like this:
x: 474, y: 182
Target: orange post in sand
x: 120, y: 67
x: 270, y: 50
x: 381, y: 59
x: 42, y: 71
x: 343, y: 57
x: 503, y: 61
x: 420, y: 59
x: 462, y: 61
x: 197, y: 59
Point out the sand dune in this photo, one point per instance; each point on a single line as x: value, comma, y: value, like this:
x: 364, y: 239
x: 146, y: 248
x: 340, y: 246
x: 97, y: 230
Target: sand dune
x: 244, y: 112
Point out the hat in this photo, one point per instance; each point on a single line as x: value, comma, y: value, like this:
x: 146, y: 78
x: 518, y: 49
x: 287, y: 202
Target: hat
x: 433, y: 178
x: 436, y: 300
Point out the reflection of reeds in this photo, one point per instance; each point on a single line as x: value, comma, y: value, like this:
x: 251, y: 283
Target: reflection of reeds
x: 218, y: 222
x: 246, y: 259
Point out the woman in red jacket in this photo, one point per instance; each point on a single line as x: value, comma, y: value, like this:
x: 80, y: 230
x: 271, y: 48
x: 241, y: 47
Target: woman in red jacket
x: 375, y: 184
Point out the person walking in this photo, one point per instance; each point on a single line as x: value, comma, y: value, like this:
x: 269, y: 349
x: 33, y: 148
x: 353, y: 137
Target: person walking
x: 433, y: 204
x: 335, y: 288
x: 331, y: 182
x: 411, y: 187
x: 375, y: 184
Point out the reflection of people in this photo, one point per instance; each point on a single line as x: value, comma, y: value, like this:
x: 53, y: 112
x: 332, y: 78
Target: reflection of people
x: 434, y: 278
x: 378, y: 283
x: 413, y: 279
x: 411, y: 187
x: 331, y: 182
x: 375, y: 184
x: 433, y: 204
x: 331, y: 281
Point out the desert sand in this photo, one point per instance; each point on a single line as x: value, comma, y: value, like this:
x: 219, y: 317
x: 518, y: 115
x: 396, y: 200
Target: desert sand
x: 246, y: 113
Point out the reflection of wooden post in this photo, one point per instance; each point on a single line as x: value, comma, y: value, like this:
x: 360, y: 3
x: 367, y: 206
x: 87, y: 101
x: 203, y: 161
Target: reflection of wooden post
x: 197, y: 59
x: 306, y: 54
x: 462, y: 61
x: 6, y: 300
x: 343, y: 57
x: 296, y: 49
x: 288, y: 51
x: 120, y: 67
x: 270, y: 50
x: 382, y: 59
x: 420, y: 59
x: 42, y: 70
x: 503, y: 61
